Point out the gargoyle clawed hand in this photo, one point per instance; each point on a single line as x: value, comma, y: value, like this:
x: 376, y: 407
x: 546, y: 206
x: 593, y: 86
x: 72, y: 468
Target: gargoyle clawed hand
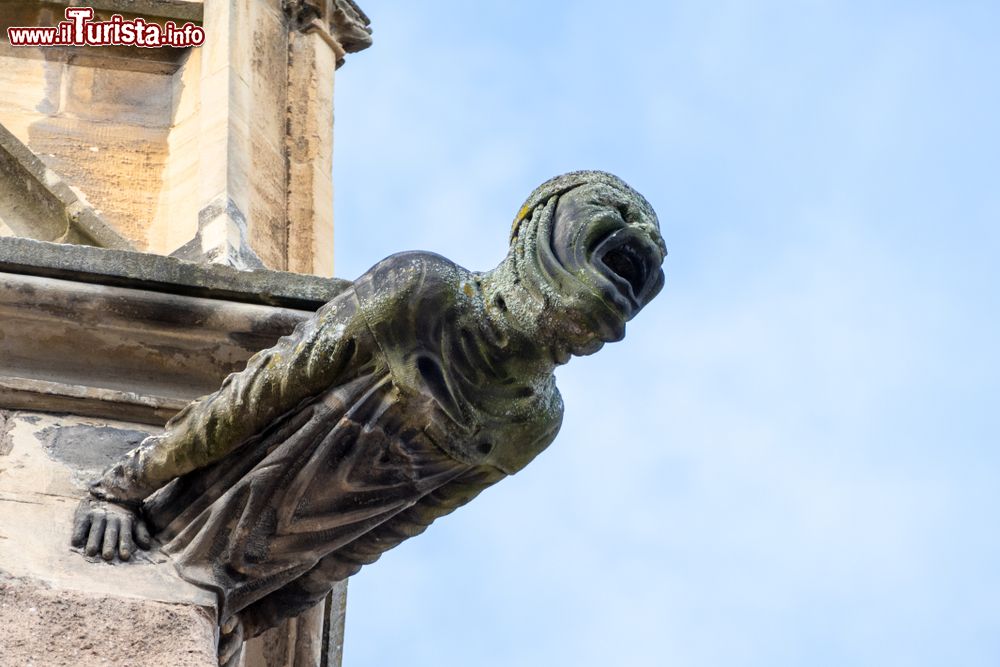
x: 108, y: 528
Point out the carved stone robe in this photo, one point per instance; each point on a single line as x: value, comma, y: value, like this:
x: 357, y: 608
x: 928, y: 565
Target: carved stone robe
x: 393, y: 406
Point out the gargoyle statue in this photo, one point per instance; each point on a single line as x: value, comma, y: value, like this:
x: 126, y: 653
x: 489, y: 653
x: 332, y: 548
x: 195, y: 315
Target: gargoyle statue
x: 414, y: 389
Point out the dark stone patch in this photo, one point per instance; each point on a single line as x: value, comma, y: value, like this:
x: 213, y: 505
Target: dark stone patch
x: 6, y: 440
x: 88, y: 449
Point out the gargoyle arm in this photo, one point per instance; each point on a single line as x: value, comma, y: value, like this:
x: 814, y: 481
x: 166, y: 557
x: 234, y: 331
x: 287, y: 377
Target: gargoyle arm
x: 274, y: 381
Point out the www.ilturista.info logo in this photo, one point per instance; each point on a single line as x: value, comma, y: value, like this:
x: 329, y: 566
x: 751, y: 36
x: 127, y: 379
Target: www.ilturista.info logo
x: 79, y: 29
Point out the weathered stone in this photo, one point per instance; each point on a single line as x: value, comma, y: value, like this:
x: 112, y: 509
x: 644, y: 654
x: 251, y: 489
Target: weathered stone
x: 340, y: 23
x: 185, y: 150
x: 98, y: 118
x: 36, y: 203
x: 396, y: 403
x: 310, y: 155
x: 169, y: 151
x: 57, y: 608
x: 83, y: 323
x: 143, y: 349
x: 54, y: 627
x: 298, y: 641
x: 165, y: 274
x: 333, y: 630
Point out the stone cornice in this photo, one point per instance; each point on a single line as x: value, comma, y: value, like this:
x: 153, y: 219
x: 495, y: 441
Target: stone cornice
x: 129, y: 336
x: 156, y: 273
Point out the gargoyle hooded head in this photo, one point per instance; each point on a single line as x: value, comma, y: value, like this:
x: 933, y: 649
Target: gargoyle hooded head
x: 584, y: 259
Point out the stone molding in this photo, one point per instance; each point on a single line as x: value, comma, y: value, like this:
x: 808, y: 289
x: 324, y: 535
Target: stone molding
x: 52, y: 210
x: 156, y: 273
x: 130, y: 336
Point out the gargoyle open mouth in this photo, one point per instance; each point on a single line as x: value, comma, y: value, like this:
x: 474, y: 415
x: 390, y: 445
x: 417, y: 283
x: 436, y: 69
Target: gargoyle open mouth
x: 629, y: 260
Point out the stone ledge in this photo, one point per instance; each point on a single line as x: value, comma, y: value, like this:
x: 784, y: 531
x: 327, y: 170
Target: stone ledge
x: 29, y: 394
x: 156, y: 273
x: 120, y: 353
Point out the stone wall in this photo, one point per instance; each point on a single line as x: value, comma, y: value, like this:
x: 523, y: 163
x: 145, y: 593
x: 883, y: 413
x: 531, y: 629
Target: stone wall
x: 58, y: 607
x: 98, y: 348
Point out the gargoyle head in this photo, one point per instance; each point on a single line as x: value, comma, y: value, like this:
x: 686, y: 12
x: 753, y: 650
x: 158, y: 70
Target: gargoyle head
x: 589, y: 248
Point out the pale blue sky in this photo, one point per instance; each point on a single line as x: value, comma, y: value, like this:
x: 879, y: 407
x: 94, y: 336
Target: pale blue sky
x: 793, y: 457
